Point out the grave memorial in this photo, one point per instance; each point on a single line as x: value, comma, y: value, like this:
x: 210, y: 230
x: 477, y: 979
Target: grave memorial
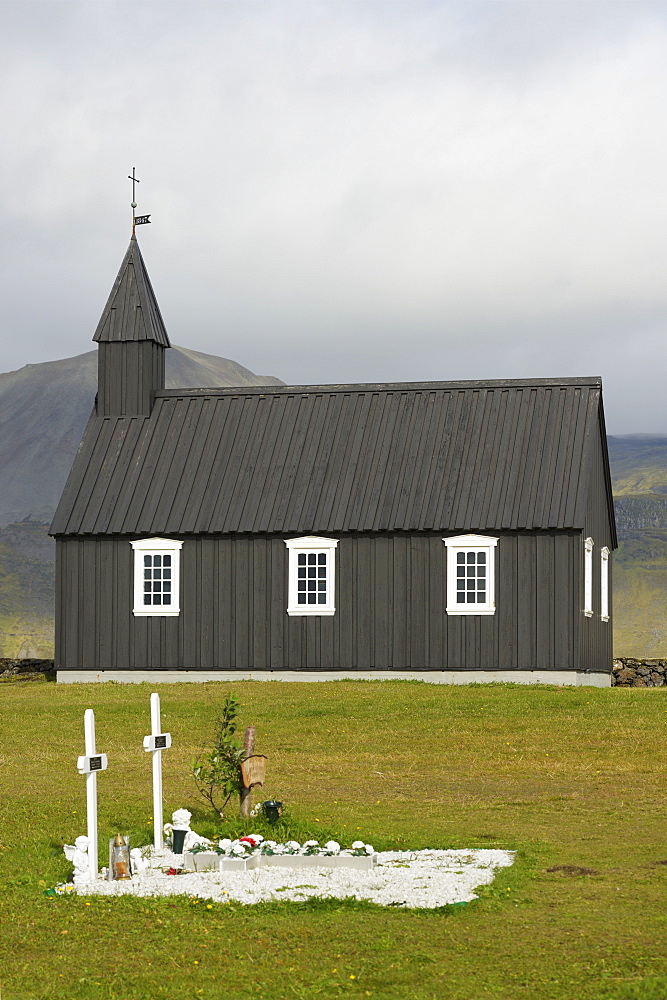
x: 251, y: 869
x: 155, y: 744
x: 90, y: 764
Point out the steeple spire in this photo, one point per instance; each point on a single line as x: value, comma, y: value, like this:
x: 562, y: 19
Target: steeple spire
x: 132, y: 312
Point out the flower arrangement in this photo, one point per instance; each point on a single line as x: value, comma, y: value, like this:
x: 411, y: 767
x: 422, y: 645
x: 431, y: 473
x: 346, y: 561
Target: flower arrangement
x: 254, y: 843
x: 61, y: 889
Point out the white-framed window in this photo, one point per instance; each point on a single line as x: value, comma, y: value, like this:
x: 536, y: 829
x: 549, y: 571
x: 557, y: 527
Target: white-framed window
x: 156, y: 576
x: 604, y: 584
x: 312, y: 576
x: 588, y: 577
x: 471, y: 586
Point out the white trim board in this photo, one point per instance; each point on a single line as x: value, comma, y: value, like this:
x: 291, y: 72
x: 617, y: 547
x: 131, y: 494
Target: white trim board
x: 576, y: 678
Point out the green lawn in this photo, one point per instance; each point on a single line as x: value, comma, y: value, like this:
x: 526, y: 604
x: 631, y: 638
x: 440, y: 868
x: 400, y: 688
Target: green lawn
x: 573, y: 777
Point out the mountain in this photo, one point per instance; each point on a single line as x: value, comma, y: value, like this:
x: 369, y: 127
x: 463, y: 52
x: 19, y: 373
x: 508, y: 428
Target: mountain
x: 639, y: 480
x: 43, y: 412
x: 44, y: 409
x: 638, y: 464
x: 27, y: 557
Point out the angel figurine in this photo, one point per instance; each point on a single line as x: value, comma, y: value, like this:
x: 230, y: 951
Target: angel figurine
x: 180, y: 819
x: 139, y: 862
x: 182, y: 837
x: 77, y: 853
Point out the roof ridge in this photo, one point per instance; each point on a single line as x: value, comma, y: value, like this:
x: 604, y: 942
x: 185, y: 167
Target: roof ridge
x: 269, y: 390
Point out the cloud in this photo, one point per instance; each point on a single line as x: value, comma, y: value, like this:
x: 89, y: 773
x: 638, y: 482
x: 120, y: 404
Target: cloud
x: 347, y: 191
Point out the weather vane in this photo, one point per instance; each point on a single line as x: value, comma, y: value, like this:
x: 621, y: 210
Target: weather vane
x: 137, y: 220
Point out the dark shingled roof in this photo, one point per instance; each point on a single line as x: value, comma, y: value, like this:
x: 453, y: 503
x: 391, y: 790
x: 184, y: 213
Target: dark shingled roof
x: 132, y: 312
x: 434, y: 456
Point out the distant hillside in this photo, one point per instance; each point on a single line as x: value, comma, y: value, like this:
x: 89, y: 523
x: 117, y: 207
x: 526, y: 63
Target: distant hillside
x: 43, y: 411
x: 639, y: 479
x: 27, y: 568
x: 638, y: 464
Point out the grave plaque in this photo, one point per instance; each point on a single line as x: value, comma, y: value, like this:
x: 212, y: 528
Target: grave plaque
x: 98, y: 762
x: 253, y: 770
x: 160, y: 741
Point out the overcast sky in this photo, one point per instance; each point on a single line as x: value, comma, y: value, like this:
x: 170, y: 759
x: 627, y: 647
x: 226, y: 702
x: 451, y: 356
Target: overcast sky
x: 347, y: 191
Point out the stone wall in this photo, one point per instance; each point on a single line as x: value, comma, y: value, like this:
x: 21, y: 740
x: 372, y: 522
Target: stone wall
x: 27, y: 670
x: 629, y: 672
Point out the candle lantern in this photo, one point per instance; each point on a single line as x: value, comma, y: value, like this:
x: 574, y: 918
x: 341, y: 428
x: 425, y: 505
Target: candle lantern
x: 119, y: 857
x: 272, y: 810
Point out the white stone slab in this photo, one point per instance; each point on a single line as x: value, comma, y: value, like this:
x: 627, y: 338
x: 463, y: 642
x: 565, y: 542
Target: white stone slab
x: 360, y: 862
x: 210, y: 861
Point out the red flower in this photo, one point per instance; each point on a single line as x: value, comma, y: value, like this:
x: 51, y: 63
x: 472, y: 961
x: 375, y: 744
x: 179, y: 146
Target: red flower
x: 172, y: 871
x: 248, y: 840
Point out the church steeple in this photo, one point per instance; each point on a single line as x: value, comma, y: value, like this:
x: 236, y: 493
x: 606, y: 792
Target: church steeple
x: 132, y: 339
x: 132, y: 312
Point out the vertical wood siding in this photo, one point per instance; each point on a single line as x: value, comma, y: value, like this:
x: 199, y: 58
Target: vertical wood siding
x: 390, y: 608
x: 596, y: 636
x: 129, y: 375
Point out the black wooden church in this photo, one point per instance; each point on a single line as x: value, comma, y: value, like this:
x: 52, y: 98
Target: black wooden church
x: 450, y: 531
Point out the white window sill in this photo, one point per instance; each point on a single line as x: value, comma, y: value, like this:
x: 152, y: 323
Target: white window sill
x: 456, y: 610
x: 604, y: 618
x: 173, y: 613
x: 589, y: 614
x: 310, y: 611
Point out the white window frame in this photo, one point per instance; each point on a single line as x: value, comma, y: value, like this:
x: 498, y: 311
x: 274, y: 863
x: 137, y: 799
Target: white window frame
x: 604, y: 584
x: 156, y: 547
x: 588, y: 577
x: 471, y: 543
x: 310, y: 544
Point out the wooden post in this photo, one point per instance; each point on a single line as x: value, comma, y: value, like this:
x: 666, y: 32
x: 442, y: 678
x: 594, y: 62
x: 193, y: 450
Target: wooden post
x: 248, y: 748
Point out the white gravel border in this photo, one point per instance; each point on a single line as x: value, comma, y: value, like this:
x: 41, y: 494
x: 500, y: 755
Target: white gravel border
x: 401, y: 878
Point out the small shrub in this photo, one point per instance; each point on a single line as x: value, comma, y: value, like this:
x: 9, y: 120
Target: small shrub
x: 217, y: 772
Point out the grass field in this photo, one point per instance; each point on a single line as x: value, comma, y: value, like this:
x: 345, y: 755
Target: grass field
x: 567, y: 777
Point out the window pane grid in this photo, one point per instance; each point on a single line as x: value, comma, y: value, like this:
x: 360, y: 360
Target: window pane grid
x: 157, y: 580
x: 471, y: 577
x: 312, y: 578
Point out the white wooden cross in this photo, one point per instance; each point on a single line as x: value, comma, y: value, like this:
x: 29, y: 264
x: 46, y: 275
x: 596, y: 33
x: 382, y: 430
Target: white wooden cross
x: 90, y: 764
x: 155, y: 744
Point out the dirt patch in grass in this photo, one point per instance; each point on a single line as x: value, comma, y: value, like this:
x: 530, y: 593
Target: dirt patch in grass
x: 573, y: 871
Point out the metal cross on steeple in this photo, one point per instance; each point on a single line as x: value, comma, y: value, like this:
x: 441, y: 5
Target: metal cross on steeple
x: 137, y: 220
x: 135, y: 181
